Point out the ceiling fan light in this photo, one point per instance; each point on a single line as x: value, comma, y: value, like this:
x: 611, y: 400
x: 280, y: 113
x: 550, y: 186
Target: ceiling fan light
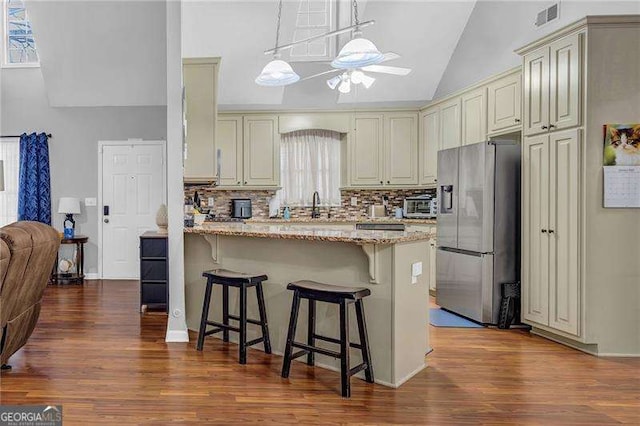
x: 356, y: 77
x: 345, y: 86
x: 357, y: 53
x: 277, y: 73
x: 333, y: 82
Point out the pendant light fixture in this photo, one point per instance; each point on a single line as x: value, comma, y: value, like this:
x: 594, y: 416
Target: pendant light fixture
x: 277, y: 72
x: 359, y: 52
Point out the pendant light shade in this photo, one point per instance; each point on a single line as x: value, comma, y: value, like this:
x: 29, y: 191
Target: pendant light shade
x: 358, y: 53
x: 277, y: 73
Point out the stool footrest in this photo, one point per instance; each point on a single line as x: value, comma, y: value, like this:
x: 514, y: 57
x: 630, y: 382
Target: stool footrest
x: 223, y: 326
x: 251, y: 321
x: 213, y: 331
x: 358, y: 368
x: 336, y: 341
x: 299, y: 354
x: 322, y: 351
x: 255, y: 341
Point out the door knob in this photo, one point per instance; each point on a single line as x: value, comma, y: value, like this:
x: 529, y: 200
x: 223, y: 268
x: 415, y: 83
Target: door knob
x: 105, y: 220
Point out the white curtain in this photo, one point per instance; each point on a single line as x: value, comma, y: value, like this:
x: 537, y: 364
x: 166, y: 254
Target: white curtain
x: 310, y: 161
x: 10, y: 155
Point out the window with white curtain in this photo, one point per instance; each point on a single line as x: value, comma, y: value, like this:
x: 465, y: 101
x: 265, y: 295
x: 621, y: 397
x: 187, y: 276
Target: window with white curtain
x: 10, y: 156
x: 309, y: 162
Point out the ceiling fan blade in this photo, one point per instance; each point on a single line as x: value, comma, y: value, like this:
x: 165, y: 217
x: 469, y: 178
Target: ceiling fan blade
x: 390, y: 56
x: 367, y: 81
x: 387, y: 70
x: 321, y: 73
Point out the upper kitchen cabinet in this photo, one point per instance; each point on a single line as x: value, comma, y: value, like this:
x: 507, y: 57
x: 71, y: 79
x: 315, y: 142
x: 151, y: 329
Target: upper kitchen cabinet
x: 450, y: 124
x: 200, y: 81
x: 504, y: 97
x: 229, y: 143
x: 474, y: 116
x: 401, y: 148
x: 429, y: 145
x: 367, y: 150
x: 552, y: 79
x: 261, y: 151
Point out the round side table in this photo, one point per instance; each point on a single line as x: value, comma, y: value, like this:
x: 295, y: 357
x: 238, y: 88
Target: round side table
x: 78, y: 275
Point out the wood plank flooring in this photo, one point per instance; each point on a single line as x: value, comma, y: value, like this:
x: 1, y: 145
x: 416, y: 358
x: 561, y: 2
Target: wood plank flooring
x: 96, y: 355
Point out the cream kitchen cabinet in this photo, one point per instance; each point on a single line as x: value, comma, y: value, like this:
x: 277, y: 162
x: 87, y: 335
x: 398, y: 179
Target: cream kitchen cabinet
x: 200, y: 80
x: 367, y: 150
x: 261, y: 150
x: 429, y: 145
x: 474, y: 116
x: 551, y: 207
x: 552, y: 80
x: 504, y: 99
x: 450, y: 124
x: 229, y: 142
x: 401, y: 148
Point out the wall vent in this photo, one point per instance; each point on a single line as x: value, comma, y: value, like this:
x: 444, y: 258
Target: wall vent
x: 547, y: 15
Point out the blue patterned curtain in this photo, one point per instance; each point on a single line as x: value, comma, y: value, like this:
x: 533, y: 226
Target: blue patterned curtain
x: 34, y: 187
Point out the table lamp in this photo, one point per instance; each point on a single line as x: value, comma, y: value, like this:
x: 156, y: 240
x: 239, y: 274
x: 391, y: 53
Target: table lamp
x: 1, y: 175
x: 69, y: 206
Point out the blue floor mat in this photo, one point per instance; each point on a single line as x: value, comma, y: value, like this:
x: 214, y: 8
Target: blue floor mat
x: 441, y: 318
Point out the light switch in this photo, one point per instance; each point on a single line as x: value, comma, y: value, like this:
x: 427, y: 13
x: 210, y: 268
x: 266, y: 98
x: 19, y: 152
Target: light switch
x: 90, y: 202
x: 354, y: 201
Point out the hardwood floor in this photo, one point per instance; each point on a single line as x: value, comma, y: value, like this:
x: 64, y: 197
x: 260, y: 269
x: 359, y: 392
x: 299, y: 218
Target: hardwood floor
x: 96, y: 355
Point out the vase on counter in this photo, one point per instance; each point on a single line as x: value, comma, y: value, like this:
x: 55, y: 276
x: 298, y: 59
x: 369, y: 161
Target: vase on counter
x: 162, y: 220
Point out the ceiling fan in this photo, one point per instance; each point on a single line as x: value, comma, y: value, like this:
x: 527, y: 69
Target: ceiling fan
x: 355, y: 76
x: 355, y: 57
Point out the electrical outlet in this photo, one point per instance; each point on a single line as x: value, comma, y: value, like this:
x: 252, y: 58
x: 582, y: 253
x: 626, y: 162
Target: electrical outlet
x: 416, y: 271
x: 354, y: 201
x: 210, y: 201
x: 90, y: 202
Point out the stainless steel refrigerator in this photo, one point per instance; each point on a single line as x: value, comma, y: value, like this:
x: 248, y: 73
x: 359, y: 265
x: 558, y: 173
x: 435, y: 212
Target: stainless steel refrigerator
x: 478, y: 227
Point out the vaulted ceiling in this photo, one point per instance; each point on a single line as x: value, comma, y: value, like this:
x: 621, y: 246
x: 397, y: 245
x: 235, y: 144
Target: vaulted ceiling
x: 424, y: 33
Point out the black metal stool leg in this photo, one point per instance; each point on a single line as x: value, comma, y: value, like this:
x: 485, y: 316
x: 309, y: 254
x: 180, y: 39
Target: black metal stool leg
x: 293, y: 320
x: 345, y: 365
x: 364, y: 341
x: 311, y: 330
x: 225, y: 311
x: 263, y: 318
x: 205, y: 314
x: 243, y: 325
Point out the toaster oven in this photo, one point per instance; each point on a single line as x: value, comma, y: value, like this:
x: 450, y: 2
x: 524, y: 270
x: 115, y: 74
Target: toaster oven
x: 422, y: 206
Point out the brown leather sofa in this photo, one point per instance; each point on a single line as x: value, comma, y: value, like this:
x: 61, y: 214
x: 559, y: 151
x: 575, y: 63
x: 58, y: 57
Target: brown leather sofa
x: 27, y: 254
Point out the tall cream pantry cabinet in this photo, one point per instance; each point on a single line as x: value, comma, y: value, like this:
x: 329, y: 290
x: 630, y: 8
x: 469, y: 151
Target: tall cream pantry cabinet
x: 580, y: 270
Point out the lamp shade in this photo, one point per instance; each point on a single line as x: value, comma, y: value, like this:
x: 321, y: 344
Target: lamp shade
x: 358, y: 53
x: 1, y: 175
x: 277, y: 73
x: 69, y: 205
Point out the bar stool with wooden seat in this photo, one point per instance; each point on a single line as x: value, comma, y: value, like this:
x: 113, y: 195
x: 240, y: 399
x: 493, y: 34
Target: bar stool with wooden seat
x: 343, y: 296
x: 242, y: 281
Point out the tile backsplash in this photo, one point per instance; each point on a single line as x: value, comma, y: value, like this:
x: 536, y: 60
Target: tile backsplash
x: 260, y: 201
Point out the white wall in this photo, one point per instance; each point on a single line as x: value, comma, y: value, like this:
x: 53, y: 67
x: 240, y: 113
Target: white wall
x: 74, y: 147
x: 496, y: 28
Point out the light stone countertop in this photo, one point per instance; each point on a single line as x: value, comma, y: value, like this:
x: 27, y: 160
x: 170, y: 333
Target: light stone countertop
x: 300, y: 232
x: 323, y: 220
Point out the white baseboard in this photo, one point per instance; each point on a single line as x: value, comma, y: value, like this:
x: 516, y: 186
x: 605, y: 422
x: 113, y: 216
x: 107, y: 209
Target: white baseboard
x: 91, y: 276
x: 176, y: 336
x: 615, y: 355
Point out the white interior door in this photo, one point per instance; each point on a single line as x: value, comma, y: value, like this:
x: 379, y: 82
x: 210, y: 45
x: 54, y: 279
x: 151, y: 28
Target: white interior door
x: 133, y: 187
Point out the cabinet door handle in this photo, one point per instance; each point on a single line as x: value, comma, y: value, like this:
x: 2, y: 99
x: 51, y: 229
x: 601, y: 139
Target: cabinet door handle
x: 544, y: 127
x: 381, y: 182
x: 551, y: 126
x: 388, y: 182
x: 544, y: 231
x: 245, y: 182
x: 238, y: 182
x: 551, y: 231
x: 517, y: 120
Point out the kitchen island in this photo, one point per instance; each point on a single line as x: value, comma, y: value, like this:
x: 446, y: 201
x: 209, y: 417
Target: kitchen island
x: 386, y: 262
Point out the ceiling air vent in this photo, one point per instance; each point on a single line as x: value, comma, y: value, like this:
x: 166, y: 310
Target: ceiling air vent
x: 547, y: 15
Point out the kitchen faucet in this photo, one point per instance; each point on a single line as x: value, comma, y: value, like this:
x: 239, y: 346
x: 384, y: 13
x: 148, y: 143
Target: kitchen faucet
x: 315, y: 210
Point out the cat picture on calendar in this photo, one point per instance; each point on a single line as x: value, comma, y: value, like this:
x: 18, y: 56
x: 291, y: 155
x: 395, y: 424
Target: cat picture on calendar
x: 622, y: 145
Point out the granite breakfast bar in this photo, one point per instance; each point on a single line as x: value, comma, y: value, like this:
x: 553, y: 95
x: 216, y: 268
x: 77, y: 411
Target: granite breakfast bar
x: 386, y: 262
